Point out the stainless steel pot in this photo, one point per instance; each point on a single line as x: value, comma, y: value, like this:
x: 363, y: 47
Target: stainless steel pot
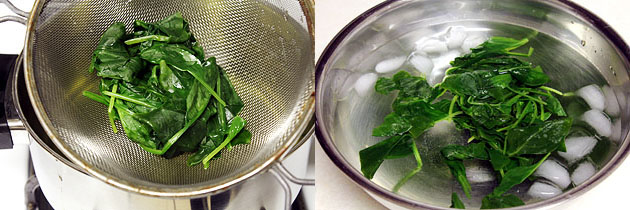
x: 572, y: 45
x: 67, y: 186
x: 248, y: 188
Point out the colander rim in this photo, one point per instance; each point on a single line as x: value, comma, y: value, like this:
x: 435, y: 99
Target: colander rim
x: 373, y: 189
x: 180, y: 192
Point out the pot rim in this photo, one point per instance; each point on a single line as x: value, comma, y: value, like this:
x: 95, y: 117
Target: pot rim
x: 374, y: 189
x: 17, y: 71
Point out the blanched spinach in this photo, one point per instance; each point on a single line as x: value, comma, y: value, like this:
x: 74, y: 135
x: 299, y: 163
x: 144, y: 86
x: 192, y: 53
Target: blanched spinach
x: 158, y: 84
x: 504, y: 201
x: 513, y: 120
x: 456, y: 202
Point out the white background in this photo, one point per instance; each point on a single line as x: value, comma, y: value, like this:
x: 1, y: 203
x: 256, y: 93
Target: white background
x: 336, y: 191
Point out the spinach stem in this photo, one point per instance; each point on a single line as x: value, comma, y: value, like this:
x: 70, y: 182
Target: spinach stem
x: 126, y: 98
x: 205, y: 84
x: 110, y: 109
x: 413, y: 172
x: 569, y: 94
x: 540, y: 93
x: 440, y: 95
x: 234, y: 130
x: 175, y: 136
x: 452, y: 106
x: 170, y: 141
x: 552, y: 90
x: 512, y: 125
x: 96, y: 97
x: 206, y: 160
x: 542, y: 112
x: 529, y: 53
x: 470, y: 101
x: 449, y: 70
x: 155, y: 92
x: 158, y: 38
x: 472, y: 138
x: 501, y: 172
x: 541, y: 161
x: 527, y: 96
x: 504, y: 146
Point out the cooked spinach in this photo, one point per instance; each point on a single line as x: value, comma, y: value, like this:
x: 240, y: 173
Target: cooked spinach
x: 503, y: 201
x: 513, y: 120
x: 168, y: 98
x: 456, y: 202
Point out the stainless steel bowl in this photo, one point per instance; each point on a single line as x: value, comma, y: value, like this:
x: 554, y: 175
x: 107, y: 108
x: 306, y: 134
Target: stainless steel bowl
x: 575, y: 47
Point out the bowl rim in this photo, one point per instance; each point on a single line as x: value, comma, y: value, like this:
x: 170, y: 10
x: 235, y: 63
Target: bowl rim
x: 373, y: 189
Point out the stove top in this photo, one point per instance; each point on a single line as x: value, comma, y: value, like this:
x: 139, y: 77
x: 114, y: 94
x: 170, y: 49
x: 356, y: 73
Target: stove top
x: 6, y: 66
x: 14, y: 154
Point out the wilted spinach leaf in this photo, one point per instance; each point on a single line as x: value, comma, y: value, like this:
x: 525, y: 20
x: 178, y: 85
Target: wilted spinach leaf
x: 456, y: 202
x: 158, y: 84
x: 372, y: 157
x: 538, y: 139
x: 498, y: 202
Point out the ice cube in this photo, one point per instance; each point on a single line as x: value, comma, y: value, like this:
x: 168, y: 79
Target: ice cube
x: 346, y: 85
x: 593, y: 97
x: 421, y: 63
x: 612, y: 105
x: 479, y: 174
x: 455, y: 37
x: 389, y: 65
x: 584, y: 171
x: 553, y: 171
x: 432, y: 46
x: 436, y: 76
x: 621, y: 98
x: 599, y: 121
x: 543, y: 190
x: 365, y: 84
x: 444, y: 61
x: 472, y: 41
x: 578, y: 147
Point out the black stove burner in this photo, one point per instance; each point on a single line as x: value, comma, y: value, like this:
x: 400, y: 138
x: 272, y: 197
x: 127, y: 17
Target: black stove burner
x: 6, y: 106
x: 34, y: 195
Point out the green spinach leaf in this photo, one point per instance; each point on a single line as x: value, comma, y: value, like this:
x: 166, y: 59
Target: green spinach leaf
x: 456, y: 202
x: 497, y: 202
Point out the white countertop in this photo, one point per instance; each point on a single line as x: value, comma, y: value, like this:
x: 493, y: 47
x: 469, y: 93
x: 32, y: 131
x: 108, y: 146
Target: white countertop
x: 336, y: 191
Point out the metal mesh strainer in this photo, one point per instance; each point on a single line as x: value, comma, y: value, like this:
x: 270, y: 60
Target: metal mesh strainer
x: 265, y: 47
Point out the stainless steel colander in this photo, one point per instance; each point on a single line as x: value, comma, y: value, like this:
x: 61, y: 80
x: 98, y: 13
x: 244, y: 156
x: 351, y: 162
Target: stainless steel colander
x: 266, y: 48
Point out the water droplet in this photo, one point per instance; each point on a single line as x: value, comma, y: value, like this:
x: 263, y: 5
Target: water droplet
x: 612, y: 70
x: 583, y: 43
x: 572, y: 22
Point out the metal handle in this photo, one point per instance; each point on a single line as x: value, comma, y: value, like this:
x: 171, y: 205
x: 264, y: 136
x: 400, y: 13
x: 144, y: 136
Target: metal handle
x: 21, y: 15
x: 310, y: 129
x: 283, y: 176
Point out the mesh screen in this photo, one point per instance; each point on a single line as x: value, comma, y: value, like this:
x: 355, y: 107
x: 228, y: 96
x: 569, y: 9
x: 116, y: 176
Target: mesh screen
x: 264, y: 47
